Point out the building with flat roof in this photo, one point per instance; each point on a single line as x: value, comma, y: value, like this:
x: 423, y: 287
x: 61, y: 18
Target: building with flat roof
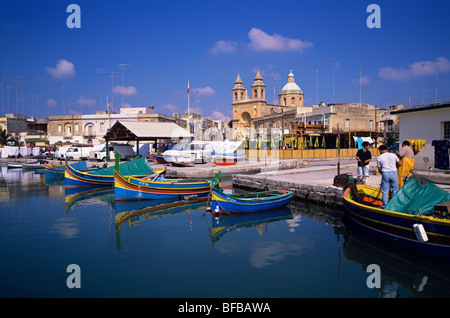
x: 426, y: 123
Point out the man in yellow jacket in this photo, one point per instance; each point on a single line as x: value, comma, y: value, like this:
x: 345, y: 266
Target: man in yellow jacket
x: 406, y: 156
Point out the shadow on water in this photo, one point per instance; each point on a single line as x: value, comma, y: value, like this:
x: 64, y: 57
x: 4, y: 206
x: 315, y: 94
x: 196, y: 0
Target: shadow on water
x: 403, y: 274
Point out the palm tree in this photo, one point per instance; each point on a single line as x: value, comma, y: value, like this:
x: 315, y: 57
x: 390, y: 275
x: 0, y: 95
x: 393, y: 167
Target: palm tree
x: 4, y: 136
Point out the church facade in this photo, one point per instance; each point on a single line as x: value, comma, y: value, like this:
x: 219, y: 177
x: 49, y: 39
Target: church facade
x: 250, y: 110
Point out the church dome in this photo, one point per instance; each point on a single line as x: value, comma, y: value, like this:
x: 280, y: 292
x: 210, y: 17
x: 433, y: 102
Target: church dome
x: 291, y: 85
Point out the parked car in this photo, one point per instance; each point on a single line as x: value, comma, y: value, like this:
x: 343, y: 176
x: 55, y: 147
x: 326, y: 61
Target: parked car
x: 77, y: 153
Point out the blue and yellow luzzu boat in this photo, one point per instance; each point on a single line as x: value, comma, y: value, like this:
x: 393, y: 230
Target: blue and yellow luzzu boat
x: 408, y: 221
x: 249, y: 202
x: 105, y: 177
x: 57, y: 170
x: 133, y: 188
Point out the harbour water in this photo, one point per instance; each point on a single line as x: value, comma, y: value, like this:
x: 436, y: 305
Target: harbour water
x: 182, y: 251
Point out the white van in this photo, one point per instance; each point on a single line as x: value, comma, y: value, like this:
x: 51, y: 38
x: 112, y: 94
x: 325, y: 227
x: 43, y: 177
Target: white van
x: 123, y: 150
x: 77, y: 153
x: 60, y: 152
x: 201, y: 150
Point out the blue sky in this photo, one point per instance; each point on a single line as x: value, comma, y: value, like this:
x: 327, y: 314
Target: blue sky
x: 168, y: 43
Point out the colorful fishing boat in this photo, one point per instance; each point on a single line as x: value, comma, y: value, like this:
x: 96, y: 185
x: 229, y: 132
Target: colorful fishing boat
x: 248, y: 202
x: 410, y: 219
x: 32, y: 165
x: 56, y: 171
x: 105, y: 177
x: 135, y: 188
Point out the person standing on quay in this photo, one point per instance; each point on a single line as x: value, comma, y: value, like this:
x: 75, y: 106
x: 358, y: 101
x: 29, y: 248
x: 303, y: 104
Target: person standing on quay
x: 364, y: 156
x: 387, y: 164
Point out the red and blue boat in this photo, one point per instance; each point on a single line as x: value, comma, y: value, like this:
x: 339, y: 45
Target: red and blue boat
x: 411, y: 219
x: 249, y: 202
x: 135, y: 188
x: 105, y: 177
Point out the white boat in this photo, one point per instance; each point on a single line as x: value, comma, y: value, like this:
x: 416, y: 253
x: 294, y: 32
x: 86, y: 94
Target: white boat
x: 32, y: 165
x: 229, y: 153
x: 12, y: 165
x: 178, y: 155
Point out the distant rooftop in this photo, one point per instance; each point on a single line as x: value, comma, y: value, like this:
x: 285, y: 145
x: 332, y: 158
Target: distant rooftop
x: 418, y: 108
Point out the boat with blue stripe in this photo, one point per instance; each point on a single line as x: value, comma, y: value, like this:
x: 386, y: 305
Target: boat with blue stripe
x: 105, y: 177
x: 249, y: 202
x: 409, y: 220
x: 158, y: 187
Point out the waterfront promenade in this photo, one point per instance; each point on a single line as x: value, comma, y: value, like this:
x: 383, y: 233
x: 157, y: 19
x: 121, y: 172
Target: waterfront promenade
x: 310, y: 180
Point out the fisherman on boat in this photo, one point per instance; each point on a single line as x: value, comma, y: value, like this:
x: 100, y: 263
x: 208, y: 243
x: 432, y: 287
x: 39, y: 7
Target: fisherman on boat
x: 406, y: 156
x: 387, y: 164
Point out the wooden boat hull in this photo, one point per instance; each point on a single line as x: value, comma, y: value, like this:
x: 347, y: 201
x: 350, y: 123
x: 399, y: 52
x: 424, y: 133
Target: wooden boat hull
x: 77, y: 178
x: 398, y: 228
x: 225, y: 162
x: 229, y: 159
x: 54, y: 171
x: 14, y: 165
x: 261, y: 201
x: 32, y: 165
x: 132, y: 188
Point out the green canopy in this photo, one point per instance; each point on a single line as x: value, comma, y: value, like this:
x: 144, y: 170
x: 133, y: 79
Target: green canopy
x: 418, y: 193
x: 136, y: 167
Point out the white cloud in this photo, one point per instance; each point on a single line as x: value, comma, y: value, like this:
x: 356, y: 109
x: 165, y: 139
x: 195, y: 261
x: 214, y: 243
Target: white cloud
x: 223, y: 47
x: 415, y: 70
x: 261, y: 41
x: 216, y: 115
x: 63, y: 69
x: 364, y: 80
x: 194, y: 110
x: 51, y: 102
x: 86, y: 101
x: 203, y: 91
x: 173, y: 108
x: 126, y: 91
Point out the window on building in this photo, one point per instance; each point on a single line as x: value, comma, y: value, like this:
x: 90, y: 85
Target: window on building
x: 371, y: 124
x: 102, y: 126
x: 76, y: 127
x: 347, y: 124
x: 235, y: 96
x: 446, y: 129
x: 293, y: 101
x: 284, y: 101
x: 59, y: 127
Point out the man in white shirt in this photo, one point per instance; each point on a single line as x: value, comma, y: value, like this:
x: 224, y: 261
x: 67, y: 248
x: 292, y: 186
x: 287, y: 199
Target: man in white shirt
x: 387, y: 165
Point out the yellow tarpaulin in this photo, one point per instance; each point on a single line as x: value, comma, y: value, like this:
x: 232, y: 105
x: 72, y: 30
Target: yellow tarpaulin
x: 405, y: 170
x: 416, y: 145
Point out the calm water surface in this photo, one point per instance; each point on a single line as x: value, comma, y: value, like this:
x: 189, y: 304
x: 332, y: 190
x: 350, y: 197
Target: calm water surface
x: 182, y: 251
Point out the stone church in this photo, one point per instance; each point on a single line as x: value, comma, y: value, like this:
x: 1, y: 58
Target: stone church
x: 254, y: 112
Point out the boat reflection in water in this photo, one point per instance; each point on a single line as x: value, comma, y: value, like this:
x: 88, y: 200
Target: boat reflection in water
x: 134, y: 212
x: 74, y: 196
x: 229, y: 222
x: 403, y: 274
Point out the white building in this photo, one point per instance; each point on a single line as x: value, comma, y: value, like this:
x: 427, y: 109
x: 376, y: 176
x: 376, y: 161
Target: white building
x: 425, y: 122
